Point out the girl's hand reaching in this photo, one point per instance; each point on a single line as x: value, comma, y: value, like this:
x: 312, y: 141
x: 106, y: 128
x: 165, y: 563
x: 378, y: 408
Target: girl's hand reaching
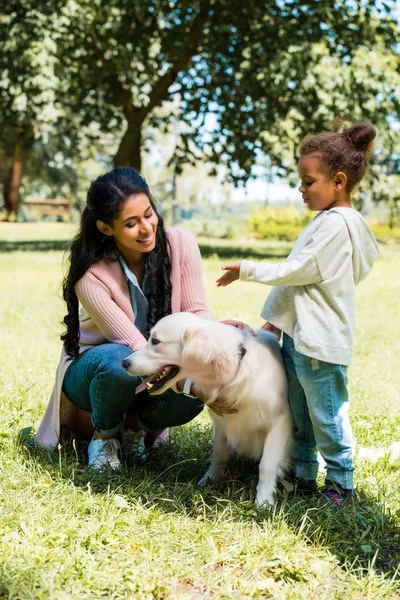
x: 232, y: 274
x: 269, y: 327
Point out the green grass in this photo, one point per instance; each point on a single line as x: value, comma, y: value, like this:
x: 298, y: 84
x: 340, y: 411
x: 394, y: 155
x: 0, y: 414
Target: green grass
x: 149, y: 532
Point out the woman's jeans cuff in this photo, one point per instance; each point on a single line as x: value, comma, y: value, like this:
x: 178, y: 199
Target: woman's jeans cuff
x: 108, y: 432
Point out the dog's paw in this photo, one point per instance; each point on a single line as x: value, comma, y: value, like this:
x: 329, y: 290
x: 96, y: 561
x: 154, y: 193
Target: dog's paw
x: 208, y: 478
x: 265, y: 500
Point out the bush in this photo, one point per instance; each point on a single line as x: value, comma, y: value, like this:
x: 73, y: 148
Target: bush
x: 279, y: 223
x: 212, y: 228
x: 385, y: 234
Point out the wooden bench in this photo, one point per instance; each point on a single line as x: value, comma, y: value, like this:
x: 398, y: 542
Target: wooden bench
x: 53, y: 208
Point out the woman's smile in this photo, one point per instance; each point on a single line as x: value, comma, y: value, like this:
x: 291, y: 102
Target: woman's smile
x: 147, y: 241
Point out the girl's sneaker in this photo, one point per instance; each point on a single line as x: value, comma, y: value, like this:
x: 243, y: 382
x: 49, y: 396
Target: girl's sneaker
x: 336, y: 496
x: 104, y: 453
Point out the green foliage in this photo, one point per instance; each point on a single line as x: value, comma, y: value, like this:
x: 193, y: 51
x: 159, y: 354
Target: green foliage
x: 213, y: 228
x: 279, y: 223
x: 269, y: 71
x: 79, y: 77
x: 37, y: 129
x: 386, y: 234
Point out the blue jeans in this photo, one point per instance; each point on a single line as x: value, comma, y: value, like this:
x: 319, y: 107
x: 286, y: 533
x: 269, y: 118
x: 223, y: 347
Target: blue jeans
x: 97, y: 382
x: 319, y: 402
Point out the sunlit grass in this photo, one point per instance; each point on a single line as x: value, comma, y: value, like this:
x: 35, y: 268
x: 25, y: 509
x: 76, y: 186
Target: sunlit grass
x: 149, y: 532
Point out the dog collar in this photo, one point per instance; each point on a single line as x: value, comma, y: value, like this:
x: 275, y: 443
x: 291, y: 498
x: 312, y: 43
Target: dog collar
x: 187, y: 388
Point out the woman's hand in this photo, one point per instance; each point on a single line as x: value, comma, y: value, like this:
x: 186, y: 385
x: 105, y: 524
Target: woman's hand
x: 239, y: 325
x: 272, y: 329
x: 232, y: 274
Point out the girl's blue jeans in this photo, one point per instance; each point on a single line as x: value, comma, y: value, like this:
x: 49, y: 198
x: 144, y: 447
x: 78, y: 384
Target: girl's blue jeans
x: 319, y: 402
x: 97, y: 382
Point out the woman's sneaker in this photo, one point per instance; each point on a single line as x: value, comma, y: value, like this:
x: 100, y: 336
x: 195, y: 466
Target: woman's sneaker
x: 104, y: 453
x: 336, y: 496
x: 133, y: 445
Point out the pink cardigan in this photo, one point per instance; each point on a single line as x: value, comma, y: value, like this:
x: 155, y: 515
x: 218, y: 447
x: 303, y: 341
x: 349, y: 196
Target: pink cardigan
x: 106, y: 316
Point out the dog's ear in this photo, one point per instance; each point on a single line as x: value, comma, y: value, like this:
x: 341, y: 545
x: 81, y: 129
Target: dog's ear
x: 198, y: 347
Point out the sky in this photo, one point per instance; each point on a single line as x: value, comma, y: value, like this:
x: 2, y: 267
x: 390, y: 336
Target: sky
x: 279, y: 191
x: 259, y: 189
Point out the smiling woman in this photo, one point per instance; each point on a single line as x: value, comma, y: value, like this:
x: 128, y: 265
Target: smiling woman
x: 134, y: 231
x: 126, y: 272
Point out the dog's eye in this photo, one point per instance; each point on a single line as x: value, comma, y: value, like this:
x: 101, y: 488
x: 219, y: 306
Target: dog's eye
x: 155, y: 341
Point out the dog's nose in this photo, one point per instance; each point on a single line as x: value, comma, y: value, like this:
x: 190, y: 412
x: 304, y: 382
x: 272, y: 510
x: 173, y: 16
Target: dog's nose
x: 125, y: 363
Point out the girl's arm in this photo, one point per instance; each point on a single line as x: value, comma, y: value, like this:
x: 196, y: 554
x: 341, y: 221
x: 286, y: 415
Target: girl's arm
x: 301, y: 271
x: 110, y: 319
x: 320, y: 259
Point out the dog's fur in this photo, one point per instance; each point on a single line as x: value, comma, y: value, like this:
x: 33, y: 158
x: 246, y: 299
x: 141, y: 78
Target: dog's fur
x: 243, y: 379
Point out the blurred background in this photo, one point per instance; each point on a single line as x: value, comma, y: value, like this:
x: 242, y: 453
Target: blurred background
x: 208, y: 99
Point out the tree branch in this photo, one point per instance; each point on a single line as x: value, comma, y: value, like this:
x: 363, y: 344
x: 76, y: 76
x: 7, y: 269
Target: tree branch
x: 111, y: 69
x: 160, y: 88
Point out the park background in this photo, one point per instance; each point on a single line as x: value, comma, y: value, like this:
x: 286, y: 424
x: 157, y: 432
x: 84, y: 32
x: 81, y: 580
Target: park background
x: 209, y: 100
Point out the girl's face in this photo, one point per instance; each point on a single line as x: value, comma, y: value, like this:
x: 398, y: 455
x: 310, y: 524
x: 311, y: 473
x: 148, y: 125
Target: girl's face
x: 318, y: 191
x: 134, y: 231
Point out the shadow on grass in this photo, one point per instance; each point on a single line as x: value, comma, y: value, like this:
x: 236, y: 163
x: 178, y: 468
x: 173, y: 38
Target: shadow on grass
x: 206, y: 250
x: 34, y: 245
x: 233, y: 251
x: 362, y: 534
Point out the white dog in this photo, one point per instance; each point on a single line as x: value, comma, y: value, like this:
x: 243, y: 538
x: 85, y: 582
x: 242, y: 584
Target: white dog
x: 243, y: 379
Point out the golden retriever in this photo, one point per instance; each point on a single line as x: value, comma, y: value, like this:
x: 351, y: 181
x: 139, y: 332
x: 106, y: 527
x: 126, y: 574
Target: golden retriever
x: 244, y: 381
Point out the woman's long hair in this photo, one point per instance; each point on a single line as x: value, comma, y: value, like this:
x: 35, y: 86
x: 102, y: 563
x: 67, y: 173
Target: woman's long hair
x: 105, y: 199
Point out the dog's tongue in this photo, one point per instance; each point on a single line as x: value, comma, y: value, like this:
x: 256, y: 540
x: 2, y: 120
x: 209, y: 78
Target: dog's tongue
x: 152, y: 379
x: 141, y: 387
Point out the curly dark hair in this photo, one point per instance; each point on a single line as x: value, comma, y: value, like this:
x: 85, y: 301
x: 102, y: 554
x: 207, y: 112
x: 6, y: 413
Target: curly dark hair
x: 348, y: 151
x: 105, y: 199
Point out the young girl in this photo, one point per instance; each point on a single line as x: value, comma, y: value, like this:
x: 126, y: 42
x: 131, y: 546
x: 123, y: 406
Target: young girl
x: 314, y: 305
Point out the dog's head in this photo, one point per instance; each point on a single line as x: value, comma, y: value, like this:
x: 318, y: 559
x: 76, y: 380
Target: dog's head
x: 184, y: 345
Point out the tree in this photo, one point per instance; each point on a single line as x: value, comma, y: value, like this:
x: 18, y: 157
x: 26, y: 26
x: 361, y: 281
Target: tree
x: 383, y: 182
x: 27, y: 90
x: 245, y: 63
x: 244, y: 77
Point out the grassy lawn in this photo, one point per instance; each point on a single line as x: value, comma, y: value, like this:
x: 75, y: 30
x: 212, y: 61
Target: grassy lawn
x: 148, y: 532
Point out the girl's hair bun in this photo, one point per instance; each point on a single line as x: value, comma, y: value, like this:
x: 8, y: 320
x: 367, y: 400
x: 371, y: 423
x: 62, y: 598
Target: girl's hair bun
x: 361, y: 136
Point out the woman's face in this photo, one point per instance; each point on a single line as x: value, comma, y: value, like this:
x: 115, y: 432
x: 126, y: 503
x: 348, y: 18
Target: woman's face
x: 134, y: 231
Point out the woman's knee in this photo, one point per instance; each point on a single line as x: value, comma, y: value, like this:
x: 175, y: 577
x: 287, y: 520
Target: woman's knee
x: 109, y: 361
x: 169, y: 410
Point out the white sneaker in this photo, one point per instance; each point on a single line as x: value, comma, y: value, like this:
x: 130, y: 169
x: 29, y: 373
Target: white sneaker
x: 133, y: 445
x: 104, y: 453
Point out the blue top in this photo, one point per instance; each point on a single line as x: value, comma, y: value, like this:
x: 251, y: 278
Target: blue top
x: 140, y: 305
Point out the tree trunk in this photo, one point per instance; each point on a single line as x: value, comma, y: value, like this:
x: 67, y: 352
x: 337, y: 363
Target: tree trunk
x: 128, y: 154
x: 11, y: 179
